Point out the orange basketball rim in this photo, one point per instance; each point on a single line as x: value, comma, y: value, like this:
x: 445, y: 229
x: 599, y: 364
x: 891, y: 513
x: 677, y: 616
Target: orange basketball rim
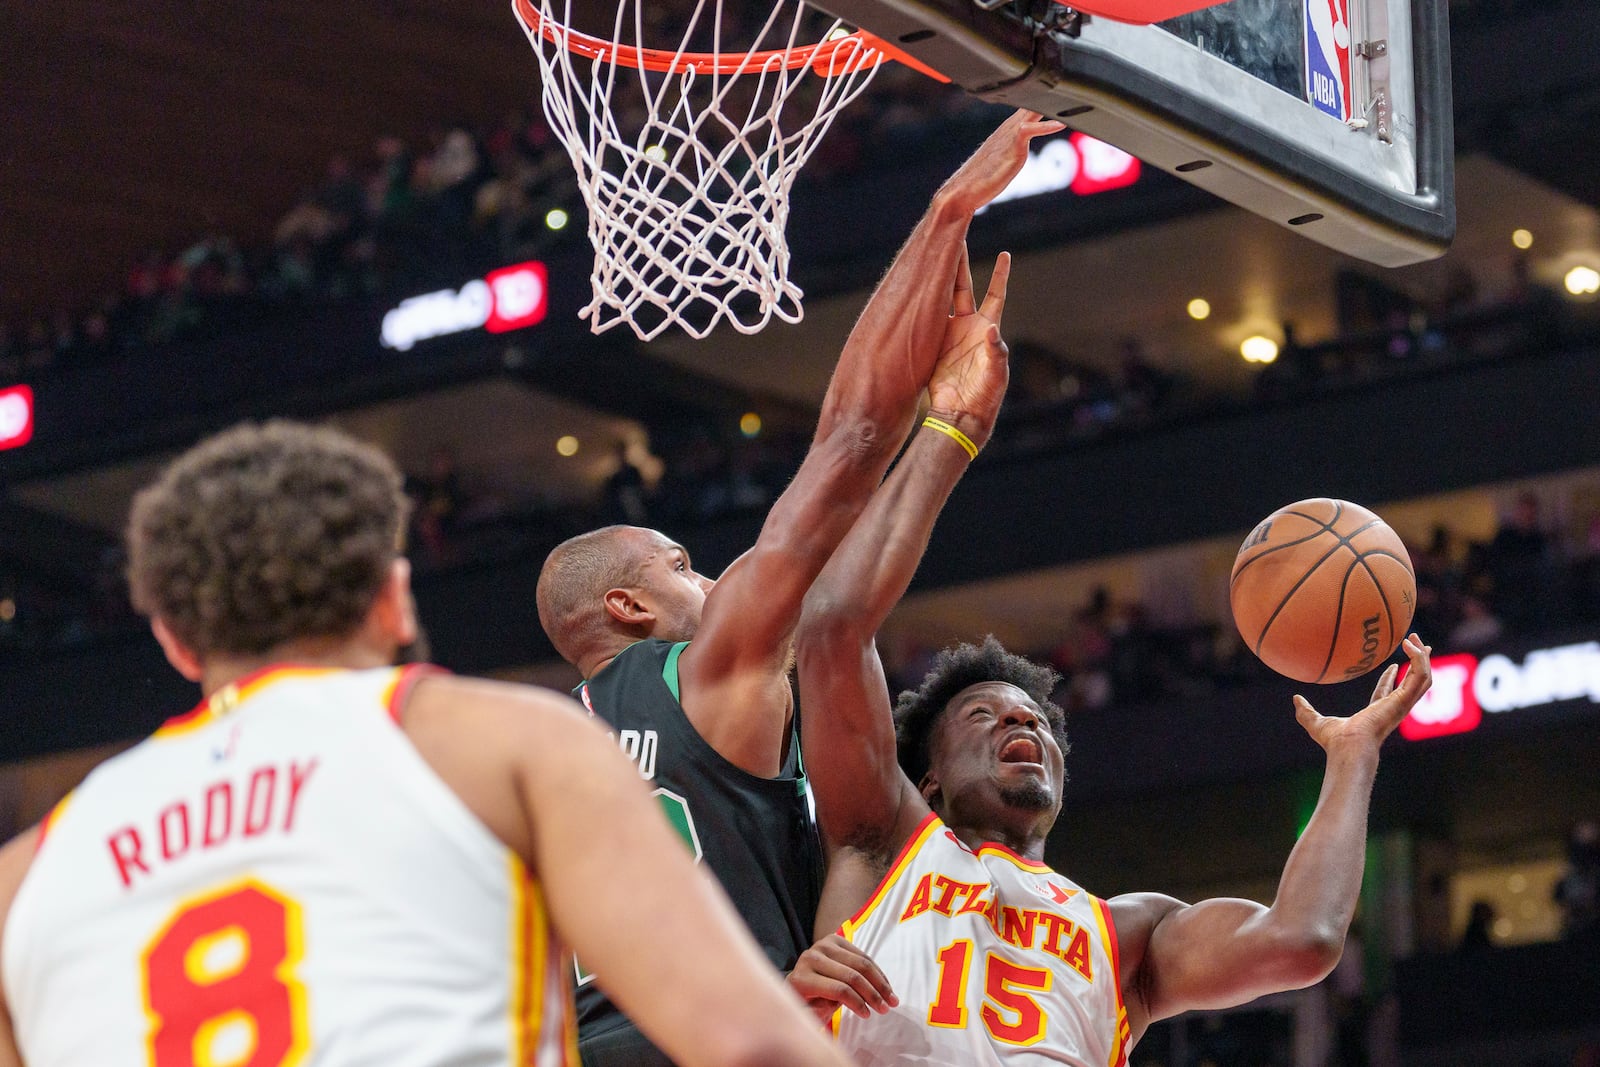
x: 824, y: 57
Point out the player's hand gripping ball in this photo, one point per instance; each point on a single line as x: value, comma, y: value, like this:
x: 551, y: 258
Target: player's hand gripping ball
x: 1323, y: 590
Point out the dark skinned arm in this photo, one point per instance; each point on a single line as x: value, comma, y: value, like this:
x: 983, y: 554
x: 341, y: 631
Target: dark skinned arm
x: 734, y: 688
x: 1223, y: 952
x: 866, y: 807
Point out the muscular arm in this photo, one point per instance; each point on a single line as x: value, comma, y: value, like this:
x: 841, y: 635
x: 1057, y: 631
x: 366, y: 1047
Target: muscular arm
x: 739, y: 654
x: 1223, y: 952
x: 14, y: 861
x: 622, y: 890
x: 866, y: 806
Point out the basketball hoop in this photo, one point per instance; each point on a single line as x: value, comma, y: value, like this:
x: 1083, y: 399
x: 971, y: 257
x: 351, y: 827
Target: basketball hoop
x: 686, y: 158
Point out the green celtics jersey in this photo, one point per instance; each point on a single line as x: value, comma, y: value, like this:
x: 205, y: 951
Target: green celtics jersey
x: 756, y: 834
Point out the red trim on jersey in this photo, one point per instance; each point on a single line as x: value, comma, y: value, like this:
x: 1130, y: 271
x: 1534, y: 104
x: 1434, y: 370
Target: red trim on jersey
x: 1021, y: 861
x: 246, y: 685
x: 1111, y: 932
x: 1119, y: 1051
x: 406, y: 679
x: 178, y: 722
x: 49, y: 821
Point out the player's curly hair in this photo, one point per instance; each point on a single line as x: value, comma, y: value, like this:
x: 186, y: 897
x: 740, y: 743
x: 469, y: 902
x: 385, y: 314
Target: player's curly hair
x: 917, y: 711
x: 263, y: 534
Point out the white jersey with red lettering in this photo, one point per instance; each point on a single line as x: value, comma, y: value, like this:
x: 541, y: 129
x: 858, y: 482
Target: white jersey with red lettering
x: 278, y: 879
x: 996, y: 960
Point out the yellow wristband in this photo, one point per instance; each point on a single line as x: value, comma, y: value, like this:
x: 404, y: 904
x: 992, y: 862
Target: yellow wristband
x: 961, y: 439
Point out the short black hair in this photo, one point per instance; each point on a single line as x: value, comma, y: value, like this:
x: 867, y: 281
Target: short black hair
x: 263, y: 534
x: 917, y: 711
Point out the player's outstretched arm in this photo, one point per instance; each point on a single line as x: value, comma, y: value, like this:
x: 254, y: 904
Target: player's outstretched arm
x: 1219, y: 953
x: 866, y: 807
x: 622, y: 890
x: 745, y: 632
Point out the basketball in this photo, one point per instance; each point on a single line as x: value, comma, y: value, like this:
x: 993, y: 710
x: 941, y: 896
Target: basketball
x: 1322, y: 590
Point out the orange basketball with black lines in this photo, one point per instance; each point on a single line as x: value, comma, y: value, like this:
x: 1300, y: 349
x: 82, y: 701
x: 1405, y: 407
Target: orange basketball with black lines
x: 1323, y: 590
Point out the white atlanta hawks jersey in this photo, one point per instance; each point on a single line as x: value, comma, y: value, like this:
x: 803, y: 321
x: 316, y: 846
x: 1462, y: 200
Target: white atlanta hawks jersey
x: 277, y: 879
x: 995, y: 959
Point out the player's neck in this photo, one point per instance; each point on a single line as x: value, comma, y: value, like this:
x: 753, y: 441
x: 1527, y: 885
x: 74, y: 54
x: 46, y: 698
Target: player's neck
x: 599, y: 658
x: 1028, y: 844
x: 220, y: 671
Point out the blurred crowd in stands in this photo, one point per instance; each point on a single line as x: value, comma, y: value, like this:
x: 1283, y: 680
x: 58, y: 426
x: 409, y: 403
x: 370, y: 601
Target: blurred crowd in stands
x: 404, y: 218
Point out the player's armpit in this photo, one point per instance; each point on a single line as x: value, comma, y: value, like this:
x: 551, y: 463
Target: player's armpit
x: 853, y: 876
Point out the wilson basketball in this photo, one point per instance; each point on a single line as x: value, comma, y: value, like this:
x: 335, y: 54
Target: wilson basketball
x: 1323, y: 590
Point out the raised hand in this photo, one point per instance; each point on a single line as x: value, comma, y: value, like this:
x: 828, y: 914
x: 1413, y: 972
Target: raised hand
x: 1389, y: 705
x: 833, y: 972
x: 990, y: 169
x: 969, y: 380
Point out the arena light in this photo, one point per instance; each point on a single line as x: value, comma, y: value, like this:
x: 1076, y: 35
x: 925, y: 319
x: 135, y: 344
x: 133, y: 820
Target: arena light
x: 1583, y: 280
x: 750, y: 424
x: 567, y: 445
x: 657, y: 153
x: 556, y: 219
x: 16, y: 416
x: 1522, y: 238
x: 1258, y: 349
x: 1199, y: 309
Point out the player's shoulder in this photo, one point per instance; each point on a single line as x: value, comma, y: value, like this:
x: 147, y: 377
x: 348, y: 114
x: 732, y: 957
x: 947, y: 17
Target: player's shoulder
x: 1136, y: 914
x: 489, y: 697
x: 1139, y: 903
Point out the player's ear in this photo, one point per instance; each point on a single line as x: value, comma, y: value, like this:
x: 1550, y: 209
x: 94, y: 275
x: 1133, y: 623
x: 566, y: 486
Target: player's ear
x: 929, y: 788
x: 184, y: 659
x: 394, y: 612
x: 623, y: 606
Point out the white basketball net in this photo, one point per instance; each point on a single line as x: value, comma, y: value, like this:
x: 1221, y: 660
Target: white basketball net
x: 687, y: 172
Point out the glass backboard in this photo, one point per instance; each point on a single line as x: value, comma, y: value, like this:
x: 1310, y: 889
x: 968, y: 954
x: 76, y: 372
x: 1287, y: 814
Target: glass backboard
x: 1331, y: 117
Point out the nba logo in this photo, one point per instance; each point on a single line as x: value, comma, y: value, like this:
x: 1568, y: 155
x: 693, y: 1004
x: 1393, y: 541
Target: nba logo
x: 1328, y: 56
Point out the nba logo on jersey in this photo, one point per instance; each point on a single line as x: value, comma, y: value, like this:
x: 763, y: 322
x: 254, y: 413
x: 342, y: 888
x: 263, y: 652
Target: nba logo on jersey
x: 1328, y: 56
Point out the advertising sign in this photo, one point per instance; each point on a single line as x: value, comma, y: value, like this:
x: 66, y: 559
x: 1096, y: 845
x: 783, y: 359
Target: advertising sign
x: 506, y: 299
x: 1465, y: 688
